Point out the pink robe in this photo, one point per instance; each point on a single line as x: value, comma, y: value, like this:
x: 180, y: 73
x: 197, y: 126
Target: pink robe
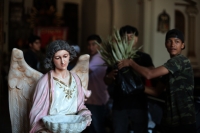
x: 41, y: 101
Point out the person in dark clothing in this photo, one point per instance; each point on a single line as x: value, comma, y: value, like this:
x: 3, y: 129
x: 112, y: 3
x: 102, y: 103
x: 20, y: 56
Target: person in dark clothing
x: 34, y: 56
x: 129, y: 111
x: 178, y: 82
x: 96, y: 103
x: 31, y: 55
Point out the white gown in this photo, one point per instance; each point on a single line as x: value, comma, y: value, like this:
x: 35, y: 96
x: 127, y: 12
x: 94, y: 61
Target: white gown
x: 62, y: 116
x: 65, y: 98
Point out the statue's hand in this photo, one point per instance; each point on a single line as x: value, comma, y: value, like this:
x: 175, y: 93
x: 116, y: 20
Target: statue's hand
x: 85, y: 99
x: 89, y: 123
x: 88, y: 118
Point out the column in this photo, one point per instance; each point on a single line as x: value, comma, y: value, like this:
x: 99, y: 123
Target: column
x: 192, y: 11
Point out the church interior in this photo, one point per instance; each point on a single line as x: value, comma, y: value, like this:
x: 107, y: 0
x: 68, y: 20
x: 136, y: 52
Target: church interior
x: 75, y: 20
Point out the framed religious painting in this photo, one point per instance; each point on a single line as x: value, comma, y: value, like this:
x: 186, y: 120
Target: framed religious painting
x: 163, y: 22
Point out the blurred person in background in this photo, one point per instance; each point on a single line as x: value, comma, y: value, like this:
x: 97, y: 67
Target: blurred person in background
x: 177, y: 79
x: 130, y: 111
x: 33, y: 56
x: 96, y: 103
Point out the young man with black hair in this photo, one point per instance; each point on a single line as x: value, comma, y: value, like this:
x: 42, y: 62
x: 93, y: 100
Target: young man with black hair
x: 129, y: 109
x: 96, y: 103
x: 177, y: 80
x: 30, y: 55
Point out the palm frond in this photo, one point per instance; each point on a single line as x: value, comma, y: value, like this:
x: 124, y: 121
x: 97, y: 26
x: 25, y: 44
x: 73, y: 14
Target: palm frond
x: 117, y: 48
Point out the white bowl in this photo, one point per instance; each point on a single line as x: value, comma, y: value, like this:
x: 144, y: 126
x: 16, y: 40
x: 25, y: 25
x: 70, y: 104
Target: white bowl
x: 65, y: 123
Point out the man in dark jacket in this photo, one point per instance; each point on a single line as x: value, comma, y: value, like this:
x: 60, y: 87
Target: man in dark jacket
x: 129, y: 111
x: 30, y: 55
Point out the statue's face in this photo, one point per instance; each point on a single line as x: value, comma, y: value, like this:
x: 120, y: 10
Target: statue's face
x: 61, y: 59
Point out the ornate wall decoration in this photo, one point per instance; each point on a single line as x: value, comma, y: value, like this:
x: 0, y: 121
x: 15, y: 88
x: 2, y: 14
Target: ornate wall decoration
x: 44, y: 18
x: 163, y: 22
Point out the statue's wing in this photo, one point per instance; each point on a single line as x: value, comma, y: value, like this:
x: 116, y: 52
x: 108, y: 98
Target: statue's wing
x: 82, y: 70
x: 21, y: 81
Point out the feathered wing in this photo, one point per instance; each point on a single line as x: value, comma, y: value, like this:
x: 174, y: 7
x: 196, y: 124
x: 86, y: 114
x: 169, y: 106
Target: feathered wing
x: 21, y: 81
x: 82, y: 70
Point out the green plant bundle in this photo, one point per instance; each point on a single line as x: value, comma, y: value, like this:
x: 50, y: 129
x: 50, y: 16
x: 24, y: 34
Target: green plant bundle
x: 117, y: 48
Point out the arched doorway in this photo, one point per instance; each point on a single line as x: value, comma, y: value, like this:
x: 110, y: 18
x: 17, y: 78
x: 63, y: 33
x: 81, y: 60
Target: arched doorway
x: 179, y: 21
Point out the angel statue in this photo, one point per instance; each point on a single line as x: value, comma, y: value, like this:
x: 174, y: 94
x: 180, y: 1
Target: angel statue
x: 53, y: 102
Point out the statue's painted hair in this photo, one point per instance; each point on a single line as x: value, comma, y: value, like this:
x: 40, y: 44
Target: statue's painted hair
x: 54, y: 47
